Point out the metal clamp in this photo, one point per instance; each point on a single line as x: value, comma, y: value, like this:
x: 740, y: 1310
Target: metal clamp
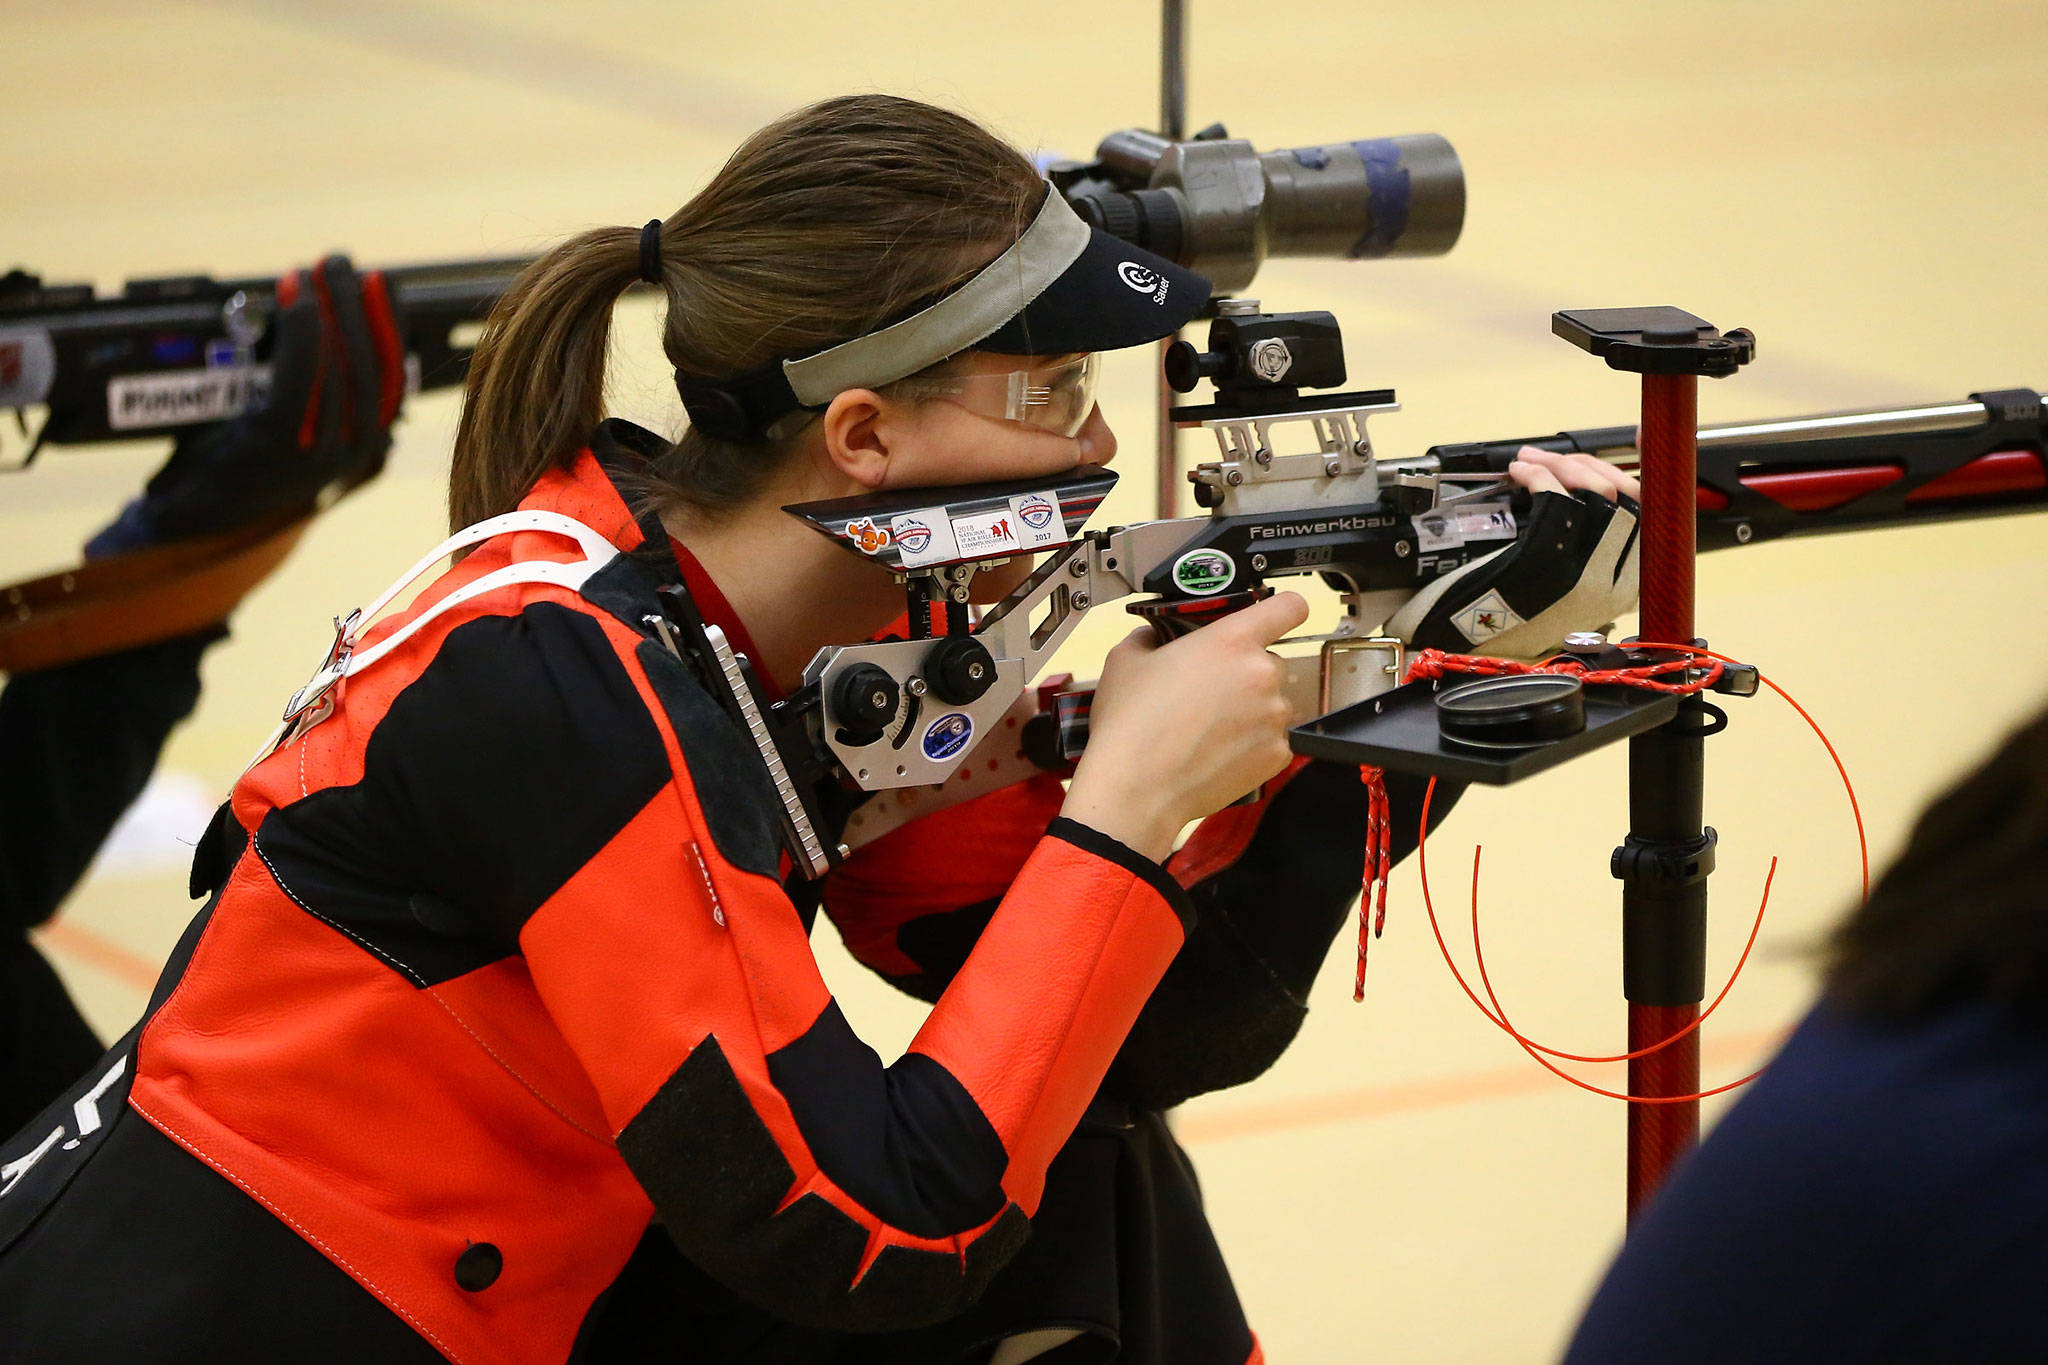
x: 1654, y: 862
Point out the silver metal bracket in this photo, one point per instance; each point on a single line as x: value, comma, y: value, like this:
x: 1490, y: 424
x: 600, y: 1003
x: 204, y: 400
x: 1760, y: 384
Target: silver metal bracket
x: 331, y: 671
x: 1254, y: 477
x: 818, y: 863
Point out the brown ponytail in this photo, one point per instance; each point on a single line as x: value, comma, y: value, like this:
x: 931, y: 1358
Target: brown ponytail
x: 822, y: 226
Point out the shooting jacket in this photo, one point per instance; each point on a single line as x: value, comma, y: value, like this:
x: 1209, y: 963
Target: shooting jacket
x: 501, y: 969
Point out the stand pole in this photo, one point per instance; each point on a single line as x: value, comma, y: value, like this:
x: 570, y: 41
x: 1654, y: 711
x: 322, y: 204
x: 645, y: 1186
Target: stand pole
x: 1664, y: 919
x: 1664, y: 862
x: 1173, y: 94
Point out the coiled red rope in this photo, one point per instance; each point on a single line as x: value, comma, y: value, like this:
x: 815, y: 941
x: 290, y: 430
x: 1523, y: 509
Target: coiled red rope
x: 1435, y: 663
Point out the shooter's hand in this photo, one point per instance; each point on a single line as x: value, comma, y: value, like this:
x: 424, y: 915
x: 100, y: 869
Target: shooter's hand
x: 1546, y: 471
x: 1179, y: 731
x: 337, y: 381
x: 1572, y: 567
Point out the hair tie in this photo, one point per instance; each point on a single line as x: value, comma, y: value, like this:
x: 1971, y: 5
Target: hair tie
x: 650, y: 251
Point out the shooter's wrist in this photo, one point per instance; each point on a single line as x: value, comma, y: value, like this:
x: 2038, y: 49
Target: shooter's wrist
x: 1134, y: 819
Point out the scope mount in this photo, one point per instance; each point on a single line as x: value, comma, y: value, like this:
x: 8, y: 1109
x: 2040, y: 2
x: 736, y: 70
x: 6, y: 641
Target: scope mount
x: 1253, y: 476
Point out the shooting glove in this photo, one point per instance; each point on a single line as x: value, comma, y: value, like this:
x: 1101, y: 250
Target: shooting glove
x: 1574, y: 567
x: 337, y: 382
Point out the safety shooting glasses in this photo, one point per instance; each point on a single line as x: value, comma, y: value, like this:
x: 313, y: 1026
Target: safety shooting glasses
x: 1055, y: 398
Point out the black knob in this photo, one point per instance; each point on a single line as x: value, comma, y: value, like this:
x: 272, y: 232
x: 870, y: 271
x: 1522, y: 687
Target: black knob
x: 1187, y: 367
x: 959, y: 669
x: 864, y: 700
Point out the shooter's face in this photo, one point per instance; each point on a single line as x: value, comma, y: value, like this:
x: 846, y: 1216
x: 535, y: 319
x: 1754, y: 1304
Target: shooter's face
x: 979, y: 426
x: 893, y: 442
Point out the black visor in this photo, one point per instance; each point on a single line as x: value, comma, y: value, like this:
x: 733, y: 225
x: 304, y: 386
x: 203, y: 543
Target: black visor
x: 1114, y: 295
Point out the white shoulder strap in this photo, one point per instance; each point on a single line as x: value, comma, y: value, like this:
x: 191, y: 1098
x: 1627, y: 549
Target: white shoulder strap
x: 311, y: 704
x: 570, y: 574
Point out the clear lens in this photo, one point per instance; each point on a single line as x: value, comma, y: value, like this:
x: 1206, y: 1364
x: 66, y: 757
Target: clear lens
x: 1055, y: 398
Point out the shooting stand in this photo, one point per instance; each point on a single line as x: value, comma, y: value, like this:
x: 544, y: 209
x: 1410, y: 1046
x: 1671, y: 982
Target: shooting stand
x: 1664, y: 862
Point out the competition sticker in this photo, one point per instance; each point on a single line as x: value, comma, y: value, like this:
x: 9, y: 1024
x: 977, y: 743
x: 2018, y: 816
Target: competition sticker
x: 1038, y: 520
x: 1203, y: 573
x: 987, y: 534
x: 947, y: 736
x: 924, y: 537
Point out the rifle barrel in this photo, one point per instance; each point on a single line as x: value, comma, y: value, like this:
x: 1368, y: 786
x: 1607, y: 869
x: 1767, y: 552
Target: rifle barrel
x: 1839, y: 471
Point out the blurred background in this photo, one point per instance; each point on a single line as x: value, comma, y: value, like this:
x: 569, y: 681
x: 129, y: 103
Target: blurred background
x: 1861, y: 185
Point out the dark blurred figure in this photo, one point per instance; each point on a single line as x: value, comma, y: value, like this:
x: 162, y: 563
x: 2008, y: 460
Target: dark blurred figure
x: 79, y: 739
x: 1881, y: 1193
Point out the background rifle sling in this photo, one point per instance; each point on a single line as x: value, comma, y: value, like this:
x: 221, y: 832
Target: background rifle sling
x: 137, y: 599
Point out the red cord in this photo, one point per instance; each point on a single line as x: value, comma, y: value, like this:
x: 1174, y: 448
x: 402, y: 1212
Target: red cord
x: 1433, y: 663
x: 1379, y: 822
x: 1500, y: 1021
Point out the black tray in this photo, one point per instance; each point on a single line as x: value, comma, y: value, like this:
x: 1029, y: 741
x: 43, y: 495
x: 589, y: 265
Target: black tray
x: 1397, y: 731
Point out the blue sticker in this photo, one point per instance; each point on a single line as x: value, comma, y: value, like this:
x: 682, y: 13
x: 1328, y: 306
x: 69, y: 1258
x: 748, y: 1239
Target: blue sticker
x: 947, y: 736
x: 173, y: 348
x: 1387, y: 187
x: 221, y: 351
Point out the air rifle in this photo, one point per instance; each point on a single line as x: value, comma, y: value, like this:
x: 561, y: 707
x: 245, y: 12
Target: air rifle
x: 1299, y: 490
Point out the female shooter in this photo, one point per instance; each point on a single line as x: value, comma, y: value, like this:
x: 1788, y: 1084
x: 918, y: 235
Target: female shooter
x: 500, y: 967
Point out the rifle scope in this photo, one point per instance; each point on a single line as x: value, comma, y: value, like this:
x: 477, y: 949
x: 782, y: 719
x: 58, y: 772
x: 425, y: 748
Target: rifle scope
x: 1220, y: 207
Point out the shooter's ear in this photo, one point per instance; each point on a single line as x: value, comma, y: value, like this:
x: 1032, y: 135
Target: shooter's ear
x: 855, y: 436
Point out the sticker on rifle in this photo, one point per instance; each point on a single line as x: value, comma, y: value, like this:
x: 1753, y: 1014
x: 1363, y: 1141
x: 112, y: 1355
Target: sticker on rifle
x: 1038, y: 521
x: 947, y: 736
x: 923, y: 537
x: 177, y: 398
x: 1437, y: 531
x: 987, y: 534
x: 871, y: 539
x: 1486, y: 521
x: 1486, y: 618
x: 28, y: 366
x: 1203, y: 573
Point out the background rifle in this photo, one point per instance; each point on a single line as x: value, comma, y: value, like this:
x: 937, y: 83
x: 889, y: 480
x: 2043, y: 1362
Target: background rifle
x: 166, y: 354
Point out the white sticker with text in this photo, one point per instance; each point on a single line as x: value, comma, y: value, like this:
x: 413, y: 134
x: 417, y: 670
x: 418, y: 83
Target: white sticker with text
x: 1037, y: 520
x: 924, y: 537
x: 986, y: 535
x: 176, y: 398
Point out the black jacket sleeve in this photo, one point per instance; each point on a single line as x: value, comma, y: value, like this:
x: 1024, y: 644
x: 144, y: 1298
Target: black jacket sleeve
x: 1237, y: 993
x: 77, y: 745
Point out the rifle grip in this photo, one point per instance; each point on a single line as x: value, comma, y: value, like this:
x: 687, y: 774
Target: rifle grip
x: 1171, y: 618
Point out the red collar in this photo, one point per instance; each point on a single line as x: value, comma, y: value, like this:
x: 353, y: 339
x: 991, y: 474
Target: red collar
x: 716, y: 611
x: 585, y: 490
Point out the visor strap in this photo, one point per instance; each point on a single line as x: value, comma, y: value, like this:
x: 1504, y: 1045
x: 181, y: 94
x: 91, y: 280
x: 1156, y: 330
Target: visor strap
x: 1000, y: 291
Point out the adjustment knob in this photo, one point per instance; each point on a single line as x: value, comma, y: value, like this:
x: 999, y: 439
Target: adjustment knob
x: 959, y: 670
x: 1187, y: 367
x: 864, y: 700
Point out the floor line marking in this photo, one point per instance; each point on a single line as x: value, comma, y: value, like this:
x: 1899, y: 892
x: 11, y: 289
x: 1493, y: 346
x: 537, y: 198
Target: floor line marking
x: 1406, y: 1097
x: 94, y: 949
